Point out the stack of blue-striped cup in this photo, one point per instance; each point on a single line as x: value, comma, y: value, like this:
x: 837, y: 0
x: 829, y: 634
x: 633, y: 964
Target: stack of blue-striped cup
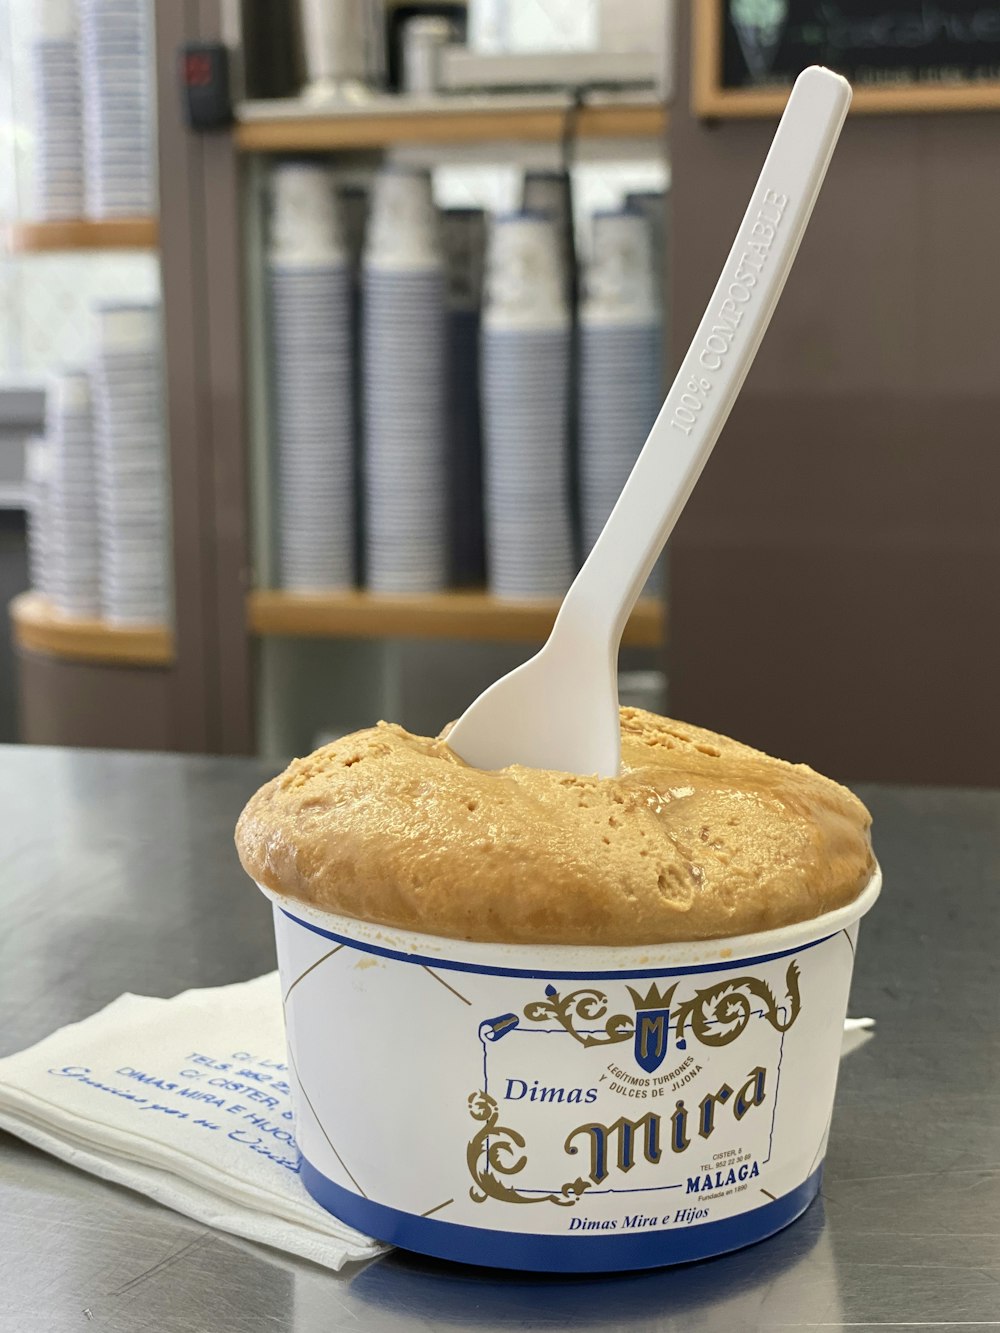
x: 131, y: 453
x: 58, y: 155
x: 74, y: 557
x: 118, y: 114
x: 464, y: 232
x: 312, y: 380
x: 404, y: 388
x: 620, y: 370
x: 525, y: 349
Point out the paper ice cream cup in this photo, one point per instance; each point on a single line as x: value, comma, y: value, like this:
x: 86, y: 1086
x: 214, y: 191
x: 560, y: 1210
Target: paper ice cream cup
x: 563, y: 1108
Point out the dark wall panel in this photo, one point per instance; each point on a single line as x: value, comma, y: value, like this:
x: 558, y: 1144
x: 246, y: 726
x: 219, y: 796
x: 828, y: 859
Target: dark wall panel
x: 75, y: 703
x: 835, y: 580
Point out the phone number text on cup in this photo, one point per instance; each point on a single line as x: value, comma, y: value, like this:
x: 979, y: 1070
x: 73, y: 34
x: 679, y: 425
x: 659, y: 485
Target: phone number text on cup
x: 729, y: 316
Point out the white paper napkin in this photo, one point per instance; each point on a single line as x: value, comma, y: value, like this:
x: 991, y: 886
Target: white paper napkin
x: 186, y: 1101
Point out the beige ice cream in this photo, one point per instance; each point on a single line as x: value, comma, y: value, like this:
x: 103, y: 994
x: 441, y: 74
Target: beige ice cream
x: 699, y: 838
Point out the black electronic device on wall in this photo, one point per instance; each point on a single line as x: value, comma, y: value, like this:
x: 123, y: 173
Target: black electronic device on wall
x: 205, y: 86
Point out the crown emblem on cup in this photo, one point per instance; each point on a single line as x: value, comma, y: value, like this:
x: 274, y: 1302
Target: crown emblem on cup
x: 653, y: 999
x: 652, y: 1025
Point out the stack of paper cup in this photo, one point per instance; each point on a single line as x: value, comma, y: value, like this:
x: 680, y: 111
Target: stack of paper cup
x: 353, y: 200
x: 525, y: 377
x: 352, y: 197
x: 550, y: 192
x: 117, y: 106
x: 74, y: 556
x: 464, y: 232
x: 58, y: 156
x: 620, y: 366
x: 652, y: 204
x: 310, y: 291
x: 37, y: 473
x: 405, y: 427
x: 127, y: 385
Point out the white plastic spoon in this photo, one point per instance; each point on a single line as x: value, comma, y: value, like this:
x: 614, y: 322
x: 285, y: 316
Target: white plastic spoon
x: 560, y: 709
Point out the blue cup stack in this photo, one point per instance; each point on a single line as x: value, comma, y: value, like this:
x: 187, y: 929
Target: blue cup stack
x: 525, y: 349
x: 404, y: 388
x: 118, y: 118
x: 620, y: 374
x: 310, y: 292
x: 464, y: 233
x: 73, y: 550
x: 36, y: 476
x: 58, y: 155
x: 132, y: 485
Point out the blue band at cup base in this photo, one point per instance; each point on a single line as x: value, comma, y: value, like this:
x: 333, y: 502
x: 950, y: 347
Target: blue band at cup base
x: 558, y: 1254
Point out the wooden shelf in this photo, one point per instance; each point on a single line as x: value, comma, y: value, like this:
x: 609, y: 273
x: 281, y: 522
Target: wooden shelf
x: 289, y: 127
x: 41, y: 629
x: 447, y: 615
x: 83, y: 234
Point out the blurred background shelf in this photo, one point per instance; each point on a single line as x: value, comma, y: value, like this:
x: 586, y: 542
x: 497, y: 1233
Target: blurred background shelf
x: 83, y: 234
x: 447, y: 615
x: 38, y: 628
x: 290, y: 126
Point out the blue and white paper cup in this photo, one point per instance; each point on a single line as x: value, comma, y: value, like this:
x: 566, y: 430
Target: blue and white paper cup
x: 562, y: 1108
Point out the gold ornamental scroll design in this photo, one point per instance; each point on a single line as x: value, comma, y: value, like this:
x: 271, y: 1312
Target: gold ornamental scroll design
x: 715, y: 1015
x: 718, y: 1014
x: 579, y: 1011
x: 489, y: 1156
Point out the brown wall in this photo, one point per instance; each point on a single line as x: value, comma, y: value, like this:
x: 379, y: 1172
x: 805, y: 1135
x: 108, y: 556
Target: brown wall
x: 112, y: 708
x: 836, y: 576
x: 202, y: 306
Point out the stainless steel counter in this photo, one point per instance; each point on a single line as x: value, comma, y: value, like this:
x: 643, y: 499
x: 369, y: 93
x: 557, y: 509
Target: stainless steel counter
x: 119, y: 874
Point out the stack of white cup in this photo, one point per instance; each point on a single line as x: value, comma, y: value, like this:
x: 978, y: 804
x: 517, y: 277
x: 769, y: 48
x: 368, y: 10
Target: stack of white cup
x: 58, y: 156
x: 353, y: 200
x: 620, y: 365
x: 73, y: 544
x: 310, y: 294
x: 405, y: 427
x: 464, y: 232
x: 652, y: 204
x: 127, y: 386
x: 37, y: 475
x: 117, y: 107
x: 352, y: 197
x: 524, y: 388
x: 550, y: 192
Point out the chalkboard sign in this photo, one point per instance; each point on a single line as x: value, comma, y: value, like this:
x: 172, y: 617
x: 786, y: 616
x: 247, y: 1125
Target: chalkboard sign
x: 900, y: 55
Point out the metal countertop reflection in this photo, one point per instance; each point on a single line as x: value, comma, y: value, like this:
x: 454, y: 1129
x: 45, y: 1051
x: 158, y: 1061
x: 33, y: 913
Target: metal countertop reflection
x: 119, y: 874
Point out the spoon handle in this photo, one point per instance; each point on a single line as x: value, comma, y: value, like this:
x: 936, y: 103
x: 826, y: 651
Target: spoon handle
x: 723, y: 349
